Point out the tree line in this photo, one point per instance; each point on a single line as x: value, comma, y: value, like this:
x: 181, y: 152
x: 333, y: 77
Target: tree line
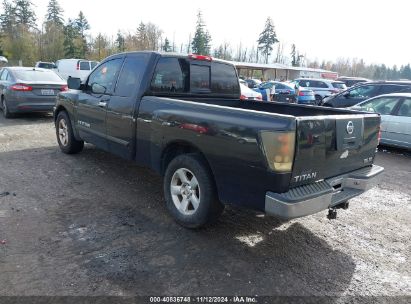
x: 21, y: 39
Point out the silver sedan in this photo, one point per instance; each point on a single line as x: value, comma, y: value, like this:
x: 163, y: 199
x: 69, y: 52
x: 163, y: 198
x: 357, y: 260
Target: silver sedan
x: 25, y: 89
x: 395, y: 110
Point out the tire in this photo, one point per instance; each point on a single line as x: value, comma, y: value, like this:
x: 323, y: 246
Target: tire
x: 6, y: 112
x: 318, y: 99
x: 190, y: 193
x: 65, y: 136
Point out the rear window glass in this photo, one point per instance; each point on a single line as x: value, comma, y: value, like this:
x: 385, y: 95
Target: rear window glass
x: 266, y: 85
x: 45, y: 65
x: 339, y: 85
x: 93, y: 64
x: 199, y: 77
x: 170, y: 76
x: 386, y: 89
x: 36, y: 75
x: 84, y: 66
x: 223, y: 79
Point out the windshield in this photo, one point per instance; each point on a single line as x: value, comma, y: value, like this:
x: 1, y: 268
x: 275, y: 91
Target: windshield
x: 36, y: 75
x: 46, y: 65
x: 339, y: 85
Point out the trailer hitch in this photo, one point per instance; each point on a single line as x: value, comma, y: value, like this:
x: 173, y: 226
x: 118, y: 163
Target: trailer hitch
x: 332, y: 213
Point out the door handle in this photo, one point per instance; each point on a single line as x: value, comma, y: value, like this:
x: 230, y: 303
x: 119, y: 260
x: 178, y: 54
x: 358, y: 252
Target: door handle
x: 102, y: 104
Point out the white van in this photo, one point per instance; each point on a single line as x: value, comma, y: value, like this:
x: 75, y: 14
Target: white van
x: 79, y: 68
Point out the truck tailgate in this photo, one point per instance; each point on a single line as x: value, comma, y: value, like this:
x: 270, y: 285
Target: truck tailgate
x: 331, y: 145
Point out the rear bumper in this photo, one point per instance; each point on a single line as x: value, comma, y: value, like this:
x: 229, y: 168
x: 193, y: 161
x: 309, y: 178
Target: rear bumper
x: 309, y: 199
x: 22, y: 107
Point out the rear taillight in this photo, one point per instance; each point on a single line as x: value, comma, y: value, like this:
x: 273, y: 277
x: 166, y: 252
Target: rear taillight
x: 21, y: 87
x: 78, y: 66
x: 335, y: 91
x: 279, y: 149
x: 243, y: 97
x: 200, y: 57
x: 259, y: 97
x: 64, y: 88
x: 301, y: 93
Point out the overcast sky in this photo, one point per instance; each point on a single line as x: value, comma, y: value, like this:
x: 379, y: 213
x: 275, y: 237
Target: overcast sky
x: 377, y: 31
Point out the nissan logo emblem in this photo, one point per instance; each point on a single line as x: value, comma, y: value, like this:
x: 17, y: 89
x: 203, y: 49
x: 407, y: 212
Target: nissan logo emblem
x: 350, y: 127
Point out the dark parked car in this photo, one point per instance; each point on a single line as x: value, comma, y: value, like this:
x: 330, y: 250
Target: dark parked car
x: 252, y: 83
x: 29, y: 90
x: 182, y: 116
x: 351, y: 81
x: 364, y: 91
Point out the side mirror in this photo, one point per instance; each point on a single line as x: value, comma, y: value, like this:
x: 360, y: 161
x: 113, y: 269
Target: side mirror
x: 98, y: 89
x: 346, y: 94
x: 74, y: 83
x: 356, y: 108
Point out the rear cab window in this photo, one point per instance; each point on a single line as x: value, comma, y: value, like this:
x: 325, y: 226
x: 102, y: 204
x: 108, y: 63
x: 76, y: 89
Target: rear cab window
x: 182, y: 76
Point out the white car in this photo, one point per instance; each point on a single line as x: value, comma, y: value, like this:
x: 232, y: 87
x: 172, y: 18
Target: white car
x: 78, y: 68
x: 248, y: 94
x: 395, y: 110
x: 322, y: 87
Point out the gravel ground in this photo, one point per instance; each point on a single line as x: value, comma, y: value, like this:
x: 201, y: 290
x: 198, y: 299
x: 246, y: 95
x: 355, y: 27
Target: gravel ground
x: 94, y: 224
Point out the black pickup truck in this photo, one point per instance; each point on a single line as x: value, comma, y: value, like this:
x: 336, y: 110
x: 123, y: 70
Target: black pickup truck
x: 182, y: 116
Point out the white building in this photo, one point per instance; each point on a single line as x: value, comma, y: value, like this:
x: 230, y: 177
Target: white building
x: 278, y: 71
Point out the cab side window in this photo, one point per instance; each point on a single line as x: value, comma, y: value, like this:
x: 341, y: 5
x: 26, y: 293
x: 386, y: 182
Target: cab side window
x: 170, y: 76
x: 105, y: 75
x: 130, y: 75
x: 223, y: 79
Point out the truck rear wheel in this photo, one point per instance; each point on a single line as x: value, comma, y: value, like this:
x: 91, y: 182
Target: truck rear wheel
x: 65, y: 136
x: 190, y: 193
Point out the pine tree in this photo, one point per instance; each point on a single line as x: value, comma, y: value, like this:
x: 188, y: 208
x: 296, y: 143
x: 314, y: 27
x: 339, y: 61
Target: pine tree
x: 267, y: 39
x: 202, y: 39
x: 82, y: 24
x: 141, y: 37
x: 54, y: 13
x: 167, y: 45
x: 8, y: 17
x: 294, y: 58
x: 120, y: 42
x: 70, y: 36
x: 25, y: 14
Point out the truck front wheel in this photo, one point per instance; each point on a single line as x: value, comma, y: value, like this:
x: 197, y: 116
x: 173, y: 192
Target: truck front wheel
x: 190, y: 193
x: 65, y: 136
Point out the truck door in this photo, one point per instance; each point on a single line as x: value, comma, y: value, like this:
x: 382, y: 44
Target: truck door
x: 123, y: 104
x: 92, y: 103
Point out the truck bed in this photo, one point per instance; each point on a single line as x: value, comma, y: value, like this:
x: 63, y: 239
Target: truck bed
x: 296, y: 110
